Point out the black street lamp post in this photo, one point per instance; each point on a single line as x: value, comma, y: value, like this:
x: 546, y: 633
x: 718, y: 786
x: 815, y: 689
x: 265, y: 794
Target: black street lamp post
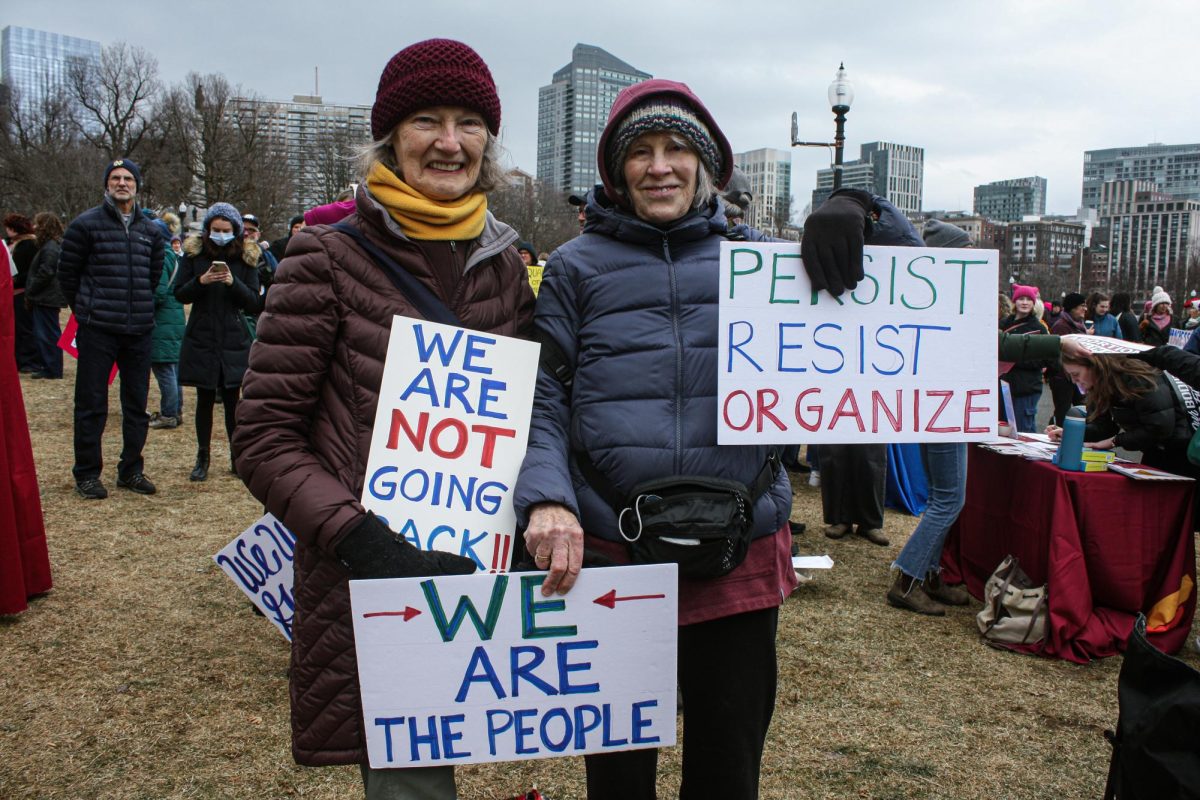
x: 841, y: 95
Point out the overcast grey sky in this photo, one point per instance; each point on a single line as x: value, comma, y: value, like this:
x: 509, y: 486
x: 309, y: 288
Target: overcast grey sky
x: 991, y: 90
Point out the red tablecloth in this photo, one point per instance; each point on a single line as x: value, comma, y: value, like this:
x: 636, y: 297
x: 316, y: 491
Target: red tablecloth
x: 1107, y: 547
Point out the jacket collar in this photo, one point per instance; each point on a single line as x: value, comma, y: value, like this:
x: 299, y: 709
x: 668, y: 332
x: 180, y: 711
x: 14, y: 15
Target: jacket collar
x: 115, y: 212
x: 495, y: 238
x: 605, y: 218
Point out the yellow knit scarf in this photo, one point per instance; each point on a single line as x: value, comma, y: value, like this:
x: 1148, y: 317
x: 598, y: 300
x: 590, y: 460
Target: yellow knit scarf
x: 422, y: 218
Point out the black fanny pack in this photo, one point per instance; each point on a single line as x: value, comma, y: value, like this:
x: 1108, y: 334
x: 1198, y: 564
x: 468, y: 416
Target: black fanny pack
x: 702, y: 524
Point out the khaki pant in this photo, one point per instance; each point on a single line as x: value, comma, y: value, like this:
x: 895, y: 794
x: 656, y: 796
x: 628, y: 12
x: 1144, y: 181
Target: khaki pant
x: 417, y: 783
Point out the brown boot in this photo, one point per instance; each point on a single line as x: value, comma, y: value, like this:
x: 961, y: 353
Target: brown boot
x: 837, y: 531
x: 873, y: 535
x: 906, y: 593
x: 947, y: 595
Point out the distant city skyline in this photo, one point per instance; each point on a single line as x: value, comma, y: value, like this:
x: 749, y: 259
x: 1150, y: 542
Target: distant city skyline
x: 989, y: 92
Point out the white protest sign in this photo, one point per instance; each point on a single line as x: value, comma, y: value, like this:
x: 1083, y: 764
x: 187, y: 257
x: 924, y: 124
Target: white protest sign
x: 1179, y: 337
x: 1106, y: 344
x: 908, y: 356
x: 449, y: 437
x: 474, y: 668
x: 259, y: 561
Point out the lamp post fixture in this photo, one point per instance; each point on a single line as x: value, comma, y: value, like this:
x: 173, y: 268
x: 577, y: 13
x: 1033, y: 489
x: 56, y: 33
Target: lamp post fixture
x: 841, y: 95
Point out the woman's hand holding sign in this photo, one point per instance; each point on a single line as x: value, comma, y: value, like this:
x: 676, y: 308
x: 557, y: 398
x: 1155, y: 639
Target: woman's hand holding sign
x: 555, y: 540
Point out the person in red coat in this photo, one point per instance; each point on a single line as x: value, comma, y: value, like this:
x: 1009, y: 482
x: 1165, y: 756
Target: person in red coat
x: 24, y: 560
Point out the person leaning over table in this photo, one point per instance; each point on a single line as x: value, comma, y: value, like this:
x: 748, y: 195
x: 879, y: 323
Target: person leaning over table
x: 311, y: 391
x: 631, y: 305
x: 1135, y: 406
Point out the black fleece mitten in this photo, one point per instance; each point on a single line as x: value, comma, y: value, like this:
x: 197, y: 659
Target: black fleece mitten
x: 832, y: 247
x: 373, y: 550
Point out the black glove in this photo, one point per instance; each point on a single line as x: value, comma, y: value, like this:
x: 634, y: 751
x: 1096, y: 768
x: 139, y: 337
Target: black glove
x: 832, y: 247
x: 372, y: 550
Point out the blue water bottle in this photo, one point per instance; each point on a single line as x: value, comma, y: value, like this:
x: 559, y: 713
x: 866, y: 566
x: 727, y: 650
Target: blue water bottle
x: 1070, y: 449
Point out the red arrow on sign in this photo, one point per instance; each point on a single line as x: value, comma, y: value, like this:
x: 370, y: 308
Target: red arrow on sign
x: 610, y: 599
x: 408, y: 613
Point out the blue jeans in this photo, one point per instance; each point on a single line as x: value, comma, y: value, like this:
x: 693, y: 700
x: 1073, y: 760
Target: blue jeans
x: 46, y: 331
x: 167, y: 376
x: 946, y: 468
x: 1025, y: 409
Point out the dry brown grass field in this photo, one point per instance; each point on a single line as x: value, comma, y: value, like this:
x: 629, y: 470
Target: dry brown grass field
x: 144, y: 674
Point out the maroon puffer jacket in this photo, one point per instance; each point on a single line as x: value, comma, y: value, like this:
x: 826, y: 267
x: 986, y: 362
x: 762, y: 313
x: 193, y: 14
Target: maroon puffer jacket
x: 304, y: 430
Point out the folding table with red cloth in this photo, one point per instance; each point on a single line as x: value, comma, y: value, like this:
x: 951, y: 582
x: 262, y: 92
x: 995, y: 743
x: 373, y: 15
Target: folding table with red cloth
x: 24, y: 560
x: 1107, y: 547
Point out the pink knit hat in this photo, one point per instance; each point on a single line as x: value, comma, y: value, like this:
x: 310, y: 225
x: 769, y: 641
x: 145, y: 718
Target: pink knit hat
x: 1019, y: 291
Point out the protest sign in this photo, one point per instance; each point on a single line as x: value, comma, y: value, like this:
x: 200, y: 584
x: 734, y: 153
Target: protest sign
x: 1100, y: 345
x: 474, y: 668
x: 66, y: 343
x: 449, y: 437
x: 1179, y: 337
x: 259, y: 561
x: 908, y: 356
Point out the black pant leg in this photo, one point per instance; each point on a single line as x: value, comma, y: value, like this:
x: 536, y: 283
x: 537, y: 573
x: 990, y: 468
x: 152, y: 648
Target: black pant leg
x: 25, y: 344
x: 133, y: 361
x: 97, y: 354
x: 727, y: 674
x: 625, y: 775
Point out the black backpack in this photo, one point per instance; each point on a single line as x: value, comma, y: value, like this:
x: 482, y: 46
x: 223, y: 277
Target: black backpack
x: 1156, y: 748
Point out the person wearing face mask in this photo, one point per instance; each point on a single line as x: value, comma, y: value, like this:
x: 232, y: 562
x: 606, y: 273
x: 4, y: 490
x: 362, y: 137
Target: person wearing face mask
x: 219, y: 277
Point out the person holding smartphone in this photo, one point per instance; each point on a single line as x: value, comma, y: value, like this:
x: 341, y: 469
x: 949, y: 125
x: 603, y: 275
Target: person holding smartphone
x: 219, y: 277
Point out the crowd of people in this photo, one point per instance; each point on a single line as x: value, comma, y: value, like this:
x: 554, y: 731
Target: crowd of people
x: 297, y: 370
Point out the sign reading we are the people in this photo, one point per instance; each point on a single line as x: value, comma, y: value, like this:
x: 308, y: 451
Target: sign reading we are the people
x: 908, y: 356
x: 449, y: 437
x: 473, y: 668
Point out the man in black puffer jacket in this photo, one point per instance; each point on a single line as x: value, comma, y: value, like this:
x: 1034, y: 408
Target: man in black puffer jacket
x: 112, y: 257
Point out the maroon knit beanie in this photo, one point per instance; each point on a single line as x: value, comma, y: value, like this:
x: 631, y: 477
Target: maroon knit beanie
x: 435, y: 72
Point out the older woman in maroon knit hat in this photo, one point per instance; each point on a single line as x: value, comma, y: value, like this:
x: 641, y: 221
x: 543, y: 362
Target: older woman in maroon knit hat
x: 312, y: 388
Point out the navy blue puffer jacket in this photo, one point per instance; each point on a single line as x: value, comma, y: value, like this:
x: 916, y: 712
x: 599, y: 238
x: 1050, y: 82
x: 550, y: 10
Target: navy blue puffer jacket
x: 107, y: 273
x: 634, y: 309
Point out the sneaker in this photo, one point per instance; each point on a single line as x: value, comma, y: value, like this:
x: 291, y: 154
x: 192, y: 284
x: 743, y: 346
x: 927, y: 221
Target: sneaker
x: 91, y: 489
x: 814, y: 478
x: 158, y: 421
x: 137, y: 482
x: 906, y: 593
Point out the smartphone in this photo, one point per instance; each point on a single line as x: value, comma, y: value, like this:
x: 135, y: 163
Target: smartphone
x: 219, y: 266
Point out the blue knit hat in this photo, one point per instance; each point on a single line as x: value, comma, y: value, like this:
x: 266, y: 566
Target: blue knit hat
x: 123, y: 163
x: 225, y: 212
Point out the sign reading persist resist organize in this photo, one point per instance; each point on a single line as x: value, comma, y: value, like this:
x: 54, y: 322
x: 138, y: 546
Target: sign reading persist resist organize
x: 908, y: 356
x: 472, y: 668
x: 449, y: 437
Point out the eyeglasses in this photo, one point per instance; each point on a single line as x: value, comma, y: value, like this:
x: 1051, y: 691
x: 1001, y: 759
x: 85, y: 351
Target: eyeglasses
x: 120, y: 179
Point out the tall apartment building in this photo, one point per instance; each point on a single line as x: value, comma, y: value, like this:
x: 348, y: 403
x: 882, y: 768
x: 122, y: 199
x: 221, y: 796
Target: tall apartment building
x: 319, y: 139
x: 894, y: 171
x: 1153, y: 236
x: 1175, y: 168
x: 770, y: 174
x: 1011, y: 200
x: 34, y: 63
x: 572, y: 111
x: 1043, y: 245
